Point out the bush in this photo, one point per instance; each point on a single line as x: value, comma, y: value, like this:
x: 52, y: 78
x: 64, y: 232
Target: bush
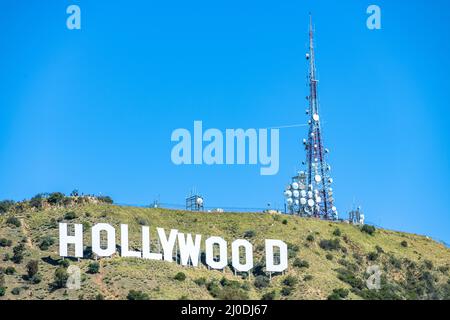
x: 285, y: 222
x: 37, y: 201
x: 330, y: 244
x: 6, y: 205
x: 32, y: 268
x: 368, y: 229
x: 329, y: 256
x: 93, y: 267
x: 99, y: 296
x: 293, y: 249
x: 70, y: 215
x: 249, y: 234
x: 299, y: 263
x: 105, y: 199
x: 338, y: 294
x: 428, y: 264
x: 15, y: 291
x: 379, y: 249
x: 310, y: 238
x: 60, y: 278
x: 2, y: 291
x: 10, y: 270
x: 286, y: 291
x: 65, y: 263
x: 372, y: 256
x: 200, y: 281
x: 5, y: 242
x: 137, y: 295
x: 13, y: 221
x: 18, y: 253
x: 261, y: 282
x: 290, y: 281
x: 337, y: 232
x: 308, y: 277
x: 349, y: 277
x: 230, y: 293
x: 36, y: 279
x: 56, y: 198
x: 180, y: 276
x: 46, y: 242
x: 269, y: 295
x: 404, y: 244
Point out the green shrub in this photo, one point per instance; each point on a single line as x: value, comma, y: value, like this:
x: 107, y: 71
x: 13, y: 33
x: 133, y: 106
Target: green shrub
x: 299, y: 263
x: 249, y: 234
x: 60, y: 278
x: 330, y: 244
x: 56, y: 198
x: 180, y: 276
x: 261, y: 282
x: 10, y: 270
x: 338, y: 294
x: 290, y: 281
x: 93, y: 267
x: 15, y: 291
x: 404, y: 244
x: 105, y: 199
x: 36, y: 279
x: 293, y: 249
x: 65, y: 263
x: 285, y: 222
x: 230, y: 293
x: 200, y: 281
x: 310, y: 238
x: 14, y: 221
x: 6, y: 205
x: 329, y: 256
x: 269, y: 295
x: 368, y: 229
x: 99, y: 296
x: 337, y: 232
x: 428, y: 264
x: 350, y: 278
x: 286, y: 291
x: 70, y: 215
x: 5, y: 242
x: 46, y: 242
x: 308, y: 277
x: 2, y: 291
x: 137, y: 295
x: 372, y: 256
x: 18, y: 253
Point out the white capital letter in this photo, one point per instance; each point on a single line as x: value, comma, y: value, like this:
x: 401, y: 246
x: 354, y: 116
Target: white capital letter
x: 167, y: 244
x: 111, y: 240
x: 65, y: 240
x: 270, y: 266
x: 188, y: 249
x: 236, y: 261
x: 209, y: 248
x: 125, y: 250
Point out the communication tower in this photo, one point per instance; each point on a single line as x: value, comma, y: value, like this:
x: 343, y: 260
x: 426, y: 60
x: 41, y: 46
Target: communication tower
x: 310, y: 192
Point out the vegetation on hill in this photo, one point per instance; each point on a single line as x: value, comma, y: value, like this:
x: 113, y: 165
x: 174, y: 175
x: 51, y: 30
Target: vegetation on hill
x: 326, y: 260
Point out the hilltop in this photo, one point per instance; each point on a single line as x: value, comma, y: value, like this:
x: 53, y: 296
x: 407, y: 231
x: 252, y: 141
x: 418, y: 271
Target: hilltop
x: 327, y: 260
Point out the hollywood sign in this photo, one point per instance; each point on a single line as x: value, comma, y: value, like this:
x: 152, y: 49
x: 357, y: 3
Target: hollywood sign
x: 187, y: 246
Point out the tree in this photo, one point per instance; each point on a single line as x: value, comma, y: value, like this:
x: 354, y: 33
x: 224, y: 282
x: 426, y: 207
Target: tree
x: 46, y: 242
x: 105, y: 199
x: 32, y: 268
x: 61, y: 277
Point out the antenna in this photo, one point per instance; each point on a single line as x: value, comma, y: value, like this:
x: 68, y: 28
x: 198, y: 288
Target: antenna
x: 310, y: 192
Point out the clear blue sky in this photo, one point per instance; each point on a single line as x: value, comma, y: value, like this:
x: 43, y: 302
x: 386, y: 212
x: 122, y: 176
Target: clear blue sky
x: 94, y: 109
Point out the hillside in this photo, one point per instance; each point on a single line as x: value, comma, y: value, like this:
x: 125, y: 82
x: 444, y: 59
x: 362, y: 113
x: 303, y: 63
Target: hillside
x: 324, y: 256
